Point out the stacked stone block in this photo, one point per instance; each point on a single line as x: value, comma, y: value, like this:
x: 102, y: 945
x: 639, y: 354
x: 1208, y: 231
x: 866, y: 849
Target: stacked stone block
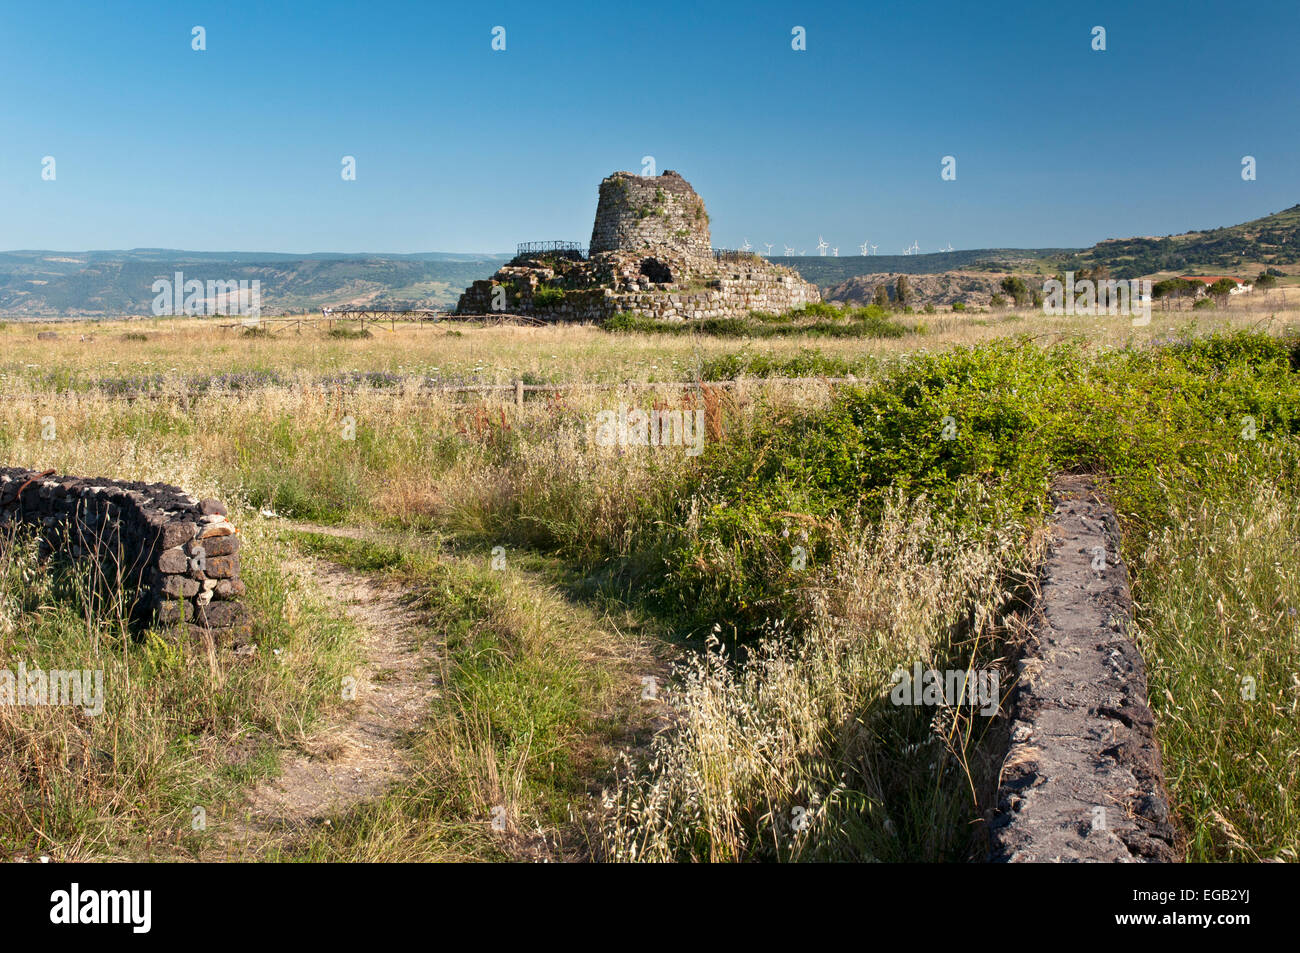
x: 179, y: 556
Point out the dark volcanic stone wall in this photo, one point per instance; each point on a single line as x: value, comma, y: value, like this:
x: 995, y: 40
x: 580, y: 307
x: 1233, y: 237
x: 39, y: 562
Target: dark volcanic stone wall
x: 1082, y: 779
x: 179, y: 555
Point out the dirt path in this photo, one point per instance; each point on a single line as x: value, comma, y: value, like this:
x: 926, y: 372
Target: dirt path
x: 361, y: 754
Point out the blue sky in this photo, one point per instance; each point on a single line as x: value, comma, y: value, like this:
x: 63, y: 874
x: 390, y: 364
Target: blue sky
x: 460, y: 148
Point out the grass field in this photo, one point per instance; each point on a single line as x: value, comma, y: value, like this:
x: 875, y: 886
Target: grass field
x: 644, y: 654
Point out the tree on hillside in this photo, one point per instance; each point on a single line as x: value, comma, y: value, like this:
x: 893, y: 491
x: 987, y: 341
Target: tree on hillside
x: 1172, y: 288
x: 1168, y: 288
x: 881, y: 297
x: 902, y: 292
x: 1016, y: 288
x: 1221, y: 289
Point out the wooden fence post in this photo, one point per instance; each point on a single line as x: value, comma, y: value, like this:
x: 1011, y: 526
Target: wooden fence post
x: 519, y: 392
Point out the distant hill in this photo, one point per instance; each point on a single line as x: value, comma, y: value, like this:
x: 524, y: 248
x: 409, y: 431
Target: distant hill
x: 55, y: 284
x: 975, y: 289
x: 1271, y: 241
x: 826, y: 271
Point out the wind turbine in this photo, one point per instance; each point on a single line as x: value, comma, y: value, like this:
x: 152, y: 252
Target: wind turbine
x: 769, y: 249
x: 835, y: 252
x: 821, y: 245
x: 746, y: 246
x: 788, y: 251
x: 863, y: 248
x: 873, y: 249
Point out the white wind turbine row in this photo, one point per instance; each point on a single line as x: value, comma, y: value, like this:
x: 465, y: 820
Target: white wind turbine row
x: 866, y: 248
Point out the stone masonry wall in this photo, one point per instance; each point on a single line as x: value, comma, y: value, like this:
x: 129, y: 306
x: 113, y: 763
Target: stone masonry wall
x: 650, y: 255
x: 637, y: 212
x: 730, y: 295
x: 180, y: 555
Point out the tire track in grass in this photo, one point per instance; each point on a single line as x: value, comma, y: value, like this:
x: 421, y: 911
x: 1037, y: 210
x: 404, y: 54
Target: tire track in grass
x: 362, y: 753
x: 537, y: 641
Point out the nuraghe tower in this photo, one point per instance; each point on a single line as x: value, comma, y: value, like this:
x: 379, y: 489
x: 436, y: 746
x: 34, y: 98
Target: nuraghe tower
x: 650, y: 254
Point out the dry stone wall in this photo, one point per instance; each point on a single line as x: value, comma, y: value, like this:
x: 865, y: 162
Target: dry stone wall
x: 179, y: 556
x: 728, y: 293
x: 638, y: 212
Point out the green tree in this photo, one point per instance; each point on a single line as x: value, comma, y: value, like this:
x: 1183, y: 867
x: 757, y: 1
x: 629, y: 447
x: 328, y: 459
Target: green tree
x: 1222, y: 288
x: 1168, y: 288
x: 1016, y: 288
x: 902, y: 292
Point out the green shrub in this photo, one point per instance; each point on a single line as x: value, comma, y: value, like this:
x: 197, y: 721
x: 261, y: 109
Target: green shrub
x: 547, y: 296
x: 344, y: 333
x: 1158, y: 423
x: 807, y: 363
x: 623, y: 321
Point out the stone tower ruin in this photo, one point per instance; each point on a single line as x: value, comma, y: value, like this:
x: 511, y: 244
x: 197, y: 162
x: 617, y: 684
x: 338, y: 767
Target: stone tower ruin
x: 650, y: 254
x: 637, y: 212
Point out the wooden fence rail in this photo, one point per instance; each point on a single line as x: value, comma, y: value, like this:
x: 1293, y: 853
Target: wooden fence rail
x: 516, y: 387
x: 384, y: 320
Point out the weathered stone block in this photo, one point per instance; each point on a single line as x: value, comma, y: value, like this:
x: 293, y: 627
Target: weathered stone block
x: 220, y: 615
x: 173, y: 534
x: 228, y: 589
x: 178, y: 586
x: 221, y: 545
x: 223, y: 567
x: 173, y: 561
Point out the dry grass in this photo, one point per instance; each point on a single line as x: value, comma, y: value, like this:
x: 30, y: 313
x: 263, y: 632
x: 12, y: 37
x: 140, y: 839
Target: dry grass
x: 1219, y: 627
x: 544, y: 687
x: 183, y: 727
x: 804, y: 726
x: 538, y: 692
x: 562, y: 354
